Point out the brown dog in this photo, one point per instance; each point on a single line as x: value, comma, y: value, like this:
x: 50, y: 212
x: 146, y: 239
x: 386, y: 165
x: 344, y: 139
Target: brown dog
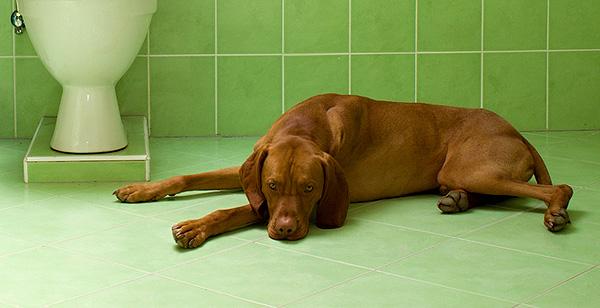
x: 331, y: 150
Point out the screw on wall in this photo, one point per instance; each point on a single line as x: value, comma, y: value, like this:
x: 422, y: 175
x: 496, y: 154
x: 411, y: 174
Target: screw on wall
x: 17, y: 20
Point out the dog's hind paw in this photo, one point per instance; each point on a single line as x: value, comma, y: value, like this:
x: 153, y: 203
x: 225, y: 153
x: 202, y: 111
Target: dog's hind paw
x: 453, y: 202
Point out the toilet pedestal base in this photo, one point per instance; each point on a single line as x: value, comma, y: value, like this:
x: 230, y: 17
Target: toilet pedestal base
x: 88, y: 121
x: 42, y: 164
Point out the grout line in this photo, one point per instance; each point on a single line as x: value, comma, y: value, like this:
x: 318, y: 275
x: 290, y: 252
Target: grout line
x: 349, y: 47
x: 547, y: 63
x: 333, y: 286
x: 96, y: 291
x: 315, y: 256
x: 459, y: 236
x: 96, y: 258
x: 446, y: 287
x: 146, y: 273
x: 148, y: 88
x: 532, y: 298
x: 213, y: 290
x: 370, y: 270
x: 524, y: 251
x: 194, y: 260
x: 416, y: 52
x: 14, y: 63
x: 378, y: 269
x: 305, y: 54
x: 481, y: 56
x: 216, y: 69
x: 282, y: 56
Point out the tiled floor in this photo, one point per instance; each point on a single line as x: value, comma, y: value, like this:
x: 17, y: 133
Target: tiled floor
x: 75, y: 245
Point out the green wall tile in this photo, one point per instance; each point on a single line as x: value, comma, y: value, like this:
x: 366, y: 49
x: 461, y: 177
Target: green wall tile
x: 385, y: 77
x: 514, y: 24
x: 574, y: 92
x: 387, y: 26
x: 249, y: 94
x: 183, y: 27
x: 38, y: 94
x: 449, y: 25
x: 144, y: 49
x: 316, y: 26
x: 132, y: 89
x: 307, y: 76
x: 515, y: 88
x: 6, y: 99
x: 182, y: 96
x: 249, y: 26
x: 512, y: 81
x: 449, y: 79
x: 574, y: 24
x: 23, y: 45
x: 6, y: 29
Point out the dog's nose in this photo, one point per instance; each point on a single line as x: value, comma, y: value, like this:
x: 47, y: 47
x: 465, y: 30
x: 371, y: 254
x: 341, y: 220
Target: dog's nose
x: 285, y: 226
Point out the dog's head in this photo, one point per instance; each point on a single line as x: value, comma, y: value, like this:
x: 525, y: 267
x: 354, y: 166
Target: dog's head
x: 287, y: 180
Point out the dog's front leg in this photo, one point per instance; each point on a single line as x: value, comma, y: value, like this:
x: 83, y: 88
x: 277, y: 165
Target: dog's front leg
x: 192, y: 233
x: 227, y: 178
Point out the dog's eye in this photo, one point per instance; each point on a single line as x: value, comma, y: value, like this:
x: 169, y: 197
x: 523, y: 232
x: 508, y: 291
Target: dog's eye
x: 272, y: 186
x: 308, y: 188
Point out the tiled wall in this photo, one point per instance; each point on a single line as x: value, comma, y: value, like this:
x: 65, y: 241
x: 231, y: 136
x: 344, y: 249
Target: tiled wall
x: 230, y: 67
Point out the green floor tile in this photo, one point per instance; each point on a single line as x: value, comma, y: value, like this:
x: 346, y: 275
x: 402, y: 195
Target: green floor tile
x: 576, y: 149
x: 153, y: 291
x: 420, y: 212
x: 205, y: 202
x: 204, y: 148
x: 58, y: 219
x: 578, y: 292
x: 10, y: 159
x: 573, y: 172
x: 151, y: 238
x: 271, y: 276
x: 88, y: 249
x: 15, y: 193
x: 12, y: 245
x: 380, y: 244
x: 491, y: 271
x: 15, y: 144
x: 47, y: 275
x: 526, y: 232
x: 384, y: 290
x: 102, y: 196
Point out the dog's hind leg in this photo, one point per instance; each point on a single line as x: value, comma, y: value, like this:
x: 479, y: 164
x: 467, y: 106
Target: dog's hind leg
x: 502, y: 168
x: 556, y: 197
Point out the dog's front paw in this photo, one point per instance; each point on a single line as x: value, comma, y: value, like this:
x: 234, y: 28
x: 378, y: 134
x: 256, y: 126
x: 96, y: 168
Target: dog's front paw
x: 141, y: 192
x: 190, y: 233
x: 453, y: 202
x: 556, y: 220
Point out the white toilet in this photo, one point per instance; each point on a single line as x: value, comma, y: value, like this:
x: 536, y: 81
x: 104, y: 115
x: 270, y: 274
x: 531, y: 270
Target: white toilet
x: 87, y: 45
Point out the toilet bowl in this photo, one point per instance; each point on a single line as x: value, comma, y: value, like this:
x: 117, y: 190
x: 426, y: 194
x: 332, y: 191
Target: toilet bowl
x: 87, y: 45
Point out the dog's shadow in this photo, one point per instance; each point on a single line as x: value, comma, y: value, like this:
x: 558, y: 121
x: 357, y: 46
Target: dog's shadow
x: 366, y: 210
x: 425, y: 204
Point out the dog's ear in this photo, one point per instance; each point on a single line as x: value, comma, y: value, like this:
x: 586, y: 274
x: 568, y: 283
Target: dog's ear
x: 333, y: 206
x: 251, y: 178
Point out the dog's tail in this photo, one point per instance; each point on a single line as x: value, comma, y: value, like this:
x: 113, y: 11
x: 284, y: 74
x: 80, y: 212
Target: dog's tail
x: 542, y: 176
